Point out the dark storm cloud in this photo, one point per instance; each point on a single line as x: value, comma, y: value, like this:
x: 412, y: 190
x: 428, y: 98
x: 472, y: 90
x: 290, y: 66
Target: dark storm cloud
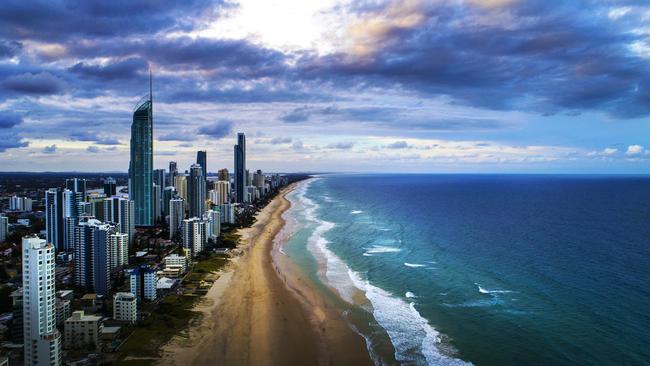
x: 9, y: 48
x: 548, y: 57
x: 280, y: 140
x: 341, y: 145
x: 126, y: 69
x: 92, y: 137
x: 62, y: 19
x: 10, y: 140
x: 29, y: 83
x: 9, y: 120
x: 176, y: 136
x: 398, y: 145
x: 217, y: 129
x: 388, y: 116
x: 551, y: 55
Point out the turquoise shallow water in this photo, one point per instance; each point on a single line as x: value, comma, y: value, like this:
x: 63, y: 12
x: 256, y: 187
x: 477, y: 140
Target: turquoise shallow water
x: 489, y: 270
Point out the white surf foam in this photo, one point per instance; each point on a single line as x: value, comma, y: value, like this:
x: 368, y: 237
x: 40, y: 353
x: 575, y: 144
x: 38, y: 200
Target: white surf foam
x: 483, y: 290
x: 356, y: 212
x: 409, y: 295
x: 414, y: 339
x: 413, y: 265
x: 379, y: 249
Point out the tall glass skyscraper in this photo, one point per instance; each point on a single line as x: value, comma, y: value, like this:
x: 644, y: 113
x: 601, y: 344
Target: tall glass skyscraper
x: 240, y: 167
x: 202, y: 160
x: 196, y: 191
x: 141, y: 165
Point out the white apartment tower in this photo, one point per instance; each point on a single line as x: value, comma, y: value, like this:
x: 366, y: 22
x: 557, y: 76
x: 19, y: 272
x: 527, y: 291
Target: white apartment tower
x: 42, y: 341
x: 194, y: 235
x: 125, y: 307
x: 176, y: 216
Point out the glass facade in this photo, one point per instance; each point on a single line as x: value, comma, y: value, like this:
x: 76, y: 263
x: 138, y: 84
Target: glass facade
x: 240, y: 167
x: 141, y: 165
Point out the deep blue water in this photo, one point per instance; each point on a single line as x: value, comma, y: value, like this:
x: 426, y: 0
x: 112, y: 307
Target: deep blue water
x: 502, y: 270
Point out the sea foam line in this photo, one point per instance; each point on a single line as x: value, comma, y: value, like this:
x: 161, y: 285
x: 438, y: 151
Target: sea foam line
x: 414, y: 339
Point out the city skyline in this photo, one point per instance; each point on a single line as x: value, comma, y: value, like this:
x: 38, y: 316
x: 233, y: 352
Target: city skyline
x: 474, y: 86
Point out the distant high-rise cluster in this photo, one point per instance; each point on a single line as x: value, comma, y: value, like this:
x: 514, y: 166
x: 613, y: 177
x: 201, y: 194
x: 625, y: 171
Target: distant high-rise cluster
x: 97, y: 231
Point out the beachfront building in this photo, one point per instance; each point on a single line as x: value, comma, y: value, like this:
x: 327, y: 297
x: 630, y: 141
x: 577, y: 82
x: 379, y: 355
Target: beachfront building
x: 175, y: 266
x: 194, y: 236
x: 176, y: 216
x: 175, y: 260
x: 141, y: 162
x: 82, y: 331
x: 143, y: 283
x: 252, y: 194
x: 213, y: 224
x: 125, y: 307
x: 42, y: 341
x: 227, y: 213
x: 240, y: 168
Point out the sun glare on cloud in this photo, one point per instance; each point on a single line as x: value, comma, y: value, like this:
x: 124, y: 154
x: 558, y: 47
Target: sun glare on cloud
x: 287, y: 25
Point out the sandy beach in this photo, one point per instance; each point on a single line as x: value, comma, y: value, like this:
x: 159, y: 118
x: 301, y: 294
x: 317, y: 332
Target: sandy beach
x: 261, y: 312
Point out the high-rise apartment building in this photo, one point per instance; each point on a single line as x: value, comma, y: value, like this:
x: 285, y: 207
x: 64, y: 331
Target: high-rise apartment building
x: 173, y: 171
x: 110, y: 187
x: 120, y: 211
x: 194, y: 235
x: 176, y: 216
x: 143, y: 281
x: 54, y: 218
x: 42, y: 341
x: 196, y: 191
x: 96, y: 249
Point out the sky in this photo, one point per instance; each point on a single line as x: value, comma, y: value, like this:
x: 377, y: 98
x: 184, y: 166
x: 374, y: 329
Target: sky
x: 467, y: 86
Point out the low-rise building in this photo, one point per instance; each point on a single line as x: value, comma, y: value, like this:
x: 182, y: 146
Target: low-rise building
x: 82, y: 331
x: 175, y: 260
x: 143, y: 283
x: 125, y: 307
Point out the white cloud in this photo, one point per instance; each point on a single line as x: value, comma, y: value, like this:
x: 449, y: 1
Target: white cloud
x: 634, y: 150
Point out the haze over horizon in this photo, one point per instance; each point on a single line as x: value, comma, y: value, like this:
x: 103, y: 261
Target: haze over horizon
x: 503, y: 86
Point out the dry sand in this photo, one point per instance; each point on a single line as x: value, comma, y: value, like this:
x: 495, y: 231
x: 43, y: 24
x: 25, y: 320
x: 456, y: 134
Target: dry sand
x: 261, y: 312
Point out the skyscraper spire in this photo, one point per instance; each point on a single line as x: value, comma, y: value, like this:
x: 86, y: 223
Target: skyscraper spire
x: 150, y: 87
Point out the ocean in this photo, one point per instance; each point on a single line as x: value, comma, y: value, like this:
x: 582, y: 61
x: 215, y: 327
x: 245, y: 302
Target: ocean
x: 483, y: 269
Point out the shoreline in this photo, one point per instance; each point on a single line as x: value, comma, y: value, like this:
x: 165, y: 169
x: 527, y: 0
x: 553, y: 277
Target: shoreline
x: 262, y: 311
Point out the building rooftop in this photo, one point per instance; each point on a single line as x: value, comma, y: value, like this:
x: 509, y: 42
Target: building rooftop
x: 80, y: 316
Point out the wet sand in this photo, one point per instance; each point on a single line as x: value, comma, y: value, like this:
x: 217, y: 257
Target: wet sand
x: 261, y: 312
